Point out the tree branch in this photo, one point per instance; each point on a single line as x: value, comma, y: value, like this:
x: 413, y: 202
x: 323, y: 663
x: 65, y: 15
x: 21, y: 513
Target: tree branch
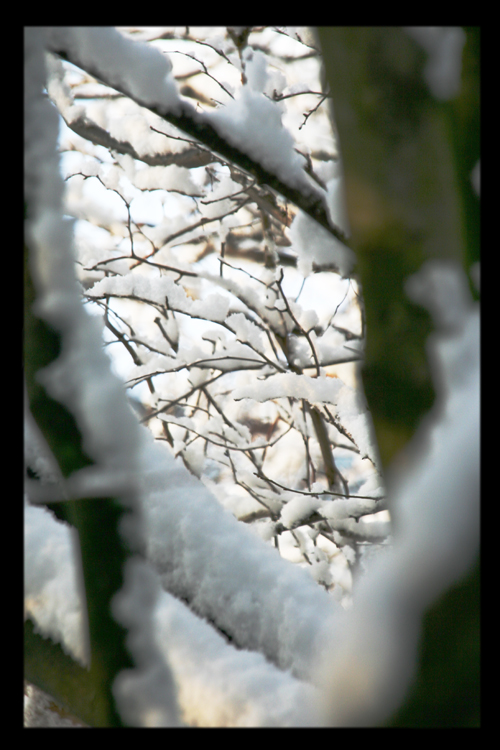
x: 198, y: 126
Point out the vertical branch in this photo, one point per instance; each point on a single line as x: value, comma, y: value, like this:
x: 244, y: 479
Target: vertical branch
x: 76, y: 401
x: 325, y: 446
x: 102, y: 550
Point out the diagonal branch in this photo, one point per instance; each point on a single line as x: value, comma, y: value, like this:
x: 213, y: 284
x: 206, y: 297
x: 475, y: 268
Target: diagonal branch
x: 197, y: 125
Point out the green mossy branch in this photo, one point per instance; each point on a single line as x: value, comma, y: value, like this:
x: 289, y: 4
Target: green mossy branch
x: 42, y: 345
x: 49, y: 668
x: 103, y: 551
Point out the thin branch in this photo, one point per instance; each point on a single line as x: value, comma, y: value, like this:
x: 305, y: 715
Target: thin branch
x: 313, y: 110
x: 325, y: 446
x: 234, y: 447
x: 91, y: 131
x: 138, y: 258
x: 205, y: 70
x: 321, y: 493
x: 299, y: 327
x: 170, y: 404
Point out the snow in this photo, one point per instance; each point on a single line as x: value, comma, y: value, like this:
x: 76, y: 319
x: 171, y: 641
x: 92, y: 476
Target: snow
x: 199, y: 550
x: 298, y: 510
x: 246, y: 331
x: 204, y: 555
x: 255, y: 69
x: 253, y: 123
x: 51, y: 595
x: 221, y: 686
x: 313, y: 243
x: 214, y: 307
x: 218, y: 684
x: 322, y: 389
x: 353, y: 507
x: 41, y: 711
x: 146, y: 695
x: 131, y: 66
x: 165, y: 178
x: 443, y: 292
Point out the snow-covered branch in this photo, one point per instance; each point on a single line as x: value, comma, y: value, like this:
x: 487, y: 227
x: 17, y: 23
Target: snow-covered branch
x: 141, y: 73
